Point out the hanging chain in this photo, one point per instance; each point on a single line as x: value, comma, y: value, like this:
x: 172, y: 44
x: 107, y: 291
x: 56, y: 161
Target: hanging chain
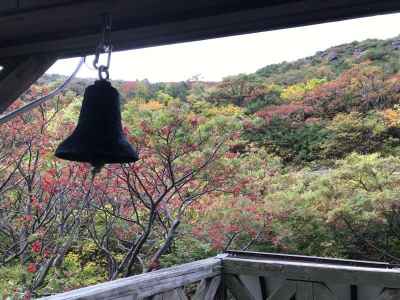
x: 105, y: 46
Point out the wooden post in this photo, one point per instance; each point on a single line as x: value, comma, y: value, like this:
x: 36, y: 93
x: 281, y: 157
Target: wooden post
x: 221, y: 292
x: 18, y: 77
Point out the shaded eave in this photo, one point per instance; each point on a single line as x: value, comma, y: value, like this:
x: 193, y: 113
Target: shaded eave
x: 70, y: 28
x: 35, y: 33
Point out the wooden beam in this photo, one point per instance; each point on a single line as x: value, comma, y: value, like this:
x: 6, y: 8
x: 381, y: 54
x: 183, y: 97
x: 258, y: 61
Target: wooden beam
x: 213, y: 288
x: 176, y: 294
x: 18, y: 77
x: 207, y: 289
x: 24, y: 4
x: 322, y: 292
x: 285, y: 292
x: 201, y: 290
x: 173, y: 28
x: 304, y: 291
x: 149, y: 284
x: 237, y: 288
x: 6, y: 5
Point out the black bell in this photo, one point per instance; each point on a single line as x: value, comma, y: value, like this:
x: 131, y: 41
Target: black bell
x: 98, y: 138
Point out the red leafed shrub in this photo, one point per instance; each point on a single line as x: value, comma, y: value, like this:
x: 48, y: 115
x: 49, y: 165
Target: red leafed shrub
x: 32, y: 268
x: 36, y: 247
x: 284, y: 111
x: 361, y: 88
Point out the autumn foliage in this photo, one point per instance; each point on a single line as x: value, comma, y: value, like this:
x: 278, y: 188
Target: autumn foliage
x: 298, y: 157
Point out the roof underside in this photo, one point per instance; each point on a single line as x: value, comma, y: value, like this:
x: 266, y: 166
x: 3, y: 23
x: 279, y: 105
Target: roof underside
x: 35, y: 33
x: 70, y: 27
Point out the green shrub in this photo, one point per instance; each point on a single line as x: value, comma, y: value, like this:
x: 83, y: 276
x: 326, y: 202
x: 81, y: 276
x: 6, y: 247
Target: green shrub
x: 292, y: 142
x: 359, y: 133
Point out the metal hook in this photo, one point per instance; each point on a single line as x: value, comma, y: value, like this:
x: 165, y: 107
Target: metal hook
x: 104, y: 46
x: 99, y: 51
x: 104, y: 73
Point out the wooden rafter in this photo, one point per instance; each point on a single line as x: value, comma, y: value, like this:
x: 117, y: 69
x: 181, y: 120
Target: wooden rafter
x: 19, y: 75
x: 40, y: 30
x: 70, y: 27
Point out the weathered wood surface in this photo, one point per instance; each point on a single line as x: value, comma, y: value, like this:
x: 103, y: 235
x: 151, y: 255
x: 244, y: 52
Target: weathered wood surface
x: 315, y: 272
x: 25, y: 4
x: 286, y: 291
x: 177, y: 294
x: 254, y: 286
x: 213, y: 288
x: 312, y: 278
x: 252, y: 278
x: 16, y: 78
x: 237, y: 288
x: 6, y: 5
x: 161, y: 283
x: 322, y: 292
x: 390, y: 294
x: 13, y: 5
x: 201, y: 290
x: 75, y: 23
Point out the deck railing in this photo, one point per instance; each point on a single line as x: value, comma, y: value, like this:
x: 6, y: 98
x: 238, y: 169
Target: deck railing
x: 255, y: 276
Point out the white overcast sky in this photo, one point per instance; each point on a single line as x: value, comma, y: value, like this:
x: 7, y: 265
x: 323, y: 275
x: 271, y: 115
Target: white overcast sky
x: 217, y: 58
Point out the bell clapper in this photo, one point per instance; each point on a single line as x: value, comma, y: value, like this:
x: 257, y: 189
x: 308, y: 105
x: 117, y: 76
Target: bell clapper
x: 96, y: 168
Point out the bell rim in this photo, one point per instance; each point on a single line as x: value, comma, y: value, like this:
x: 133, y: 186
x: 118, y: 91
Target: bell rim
x: 78, y: 157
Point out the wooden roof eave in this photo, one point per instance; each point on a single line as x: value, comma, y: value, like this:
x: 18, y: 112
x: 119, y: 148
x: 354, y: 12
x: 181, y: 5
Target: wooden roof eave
x: 35, y: 33
x: 175, y: 26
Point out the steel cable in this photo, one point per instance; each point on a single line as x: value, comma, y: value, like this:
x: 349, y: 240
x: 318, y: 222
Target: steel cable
x: 35, y: 103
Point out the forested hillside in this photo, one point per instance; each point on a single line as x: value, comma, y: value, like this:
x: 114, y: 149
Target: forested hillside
x: 299, y: 157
